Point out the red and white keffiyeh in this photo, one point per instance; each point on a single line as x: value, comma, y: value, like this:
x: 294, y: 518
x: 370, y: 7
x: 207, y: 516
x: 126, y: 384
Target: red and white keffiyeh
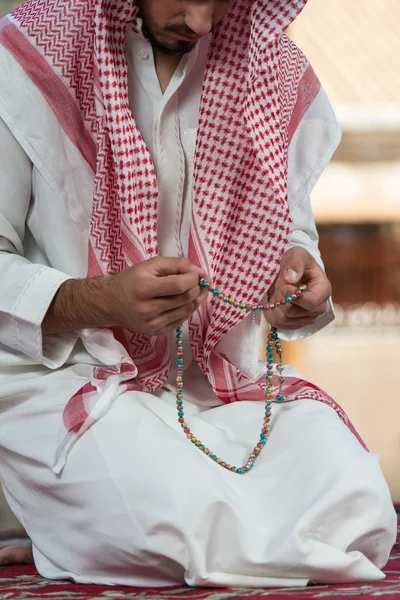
x: 257, y: 88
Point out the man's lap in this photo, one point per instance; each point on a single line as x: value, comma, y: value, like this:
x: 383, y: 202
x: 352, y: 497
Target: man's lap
x: 135, y: 487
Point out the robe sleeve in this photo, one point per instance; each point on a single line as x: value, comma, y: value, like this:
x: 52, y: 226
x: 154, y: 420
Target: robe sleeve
x: 311, y: 149
x: 26, y: 289
x: 305, y: 235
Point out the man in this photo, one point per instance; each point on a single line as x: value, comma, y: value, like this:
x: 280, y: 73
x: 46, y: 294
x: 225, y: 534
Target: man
x: 143, y: 147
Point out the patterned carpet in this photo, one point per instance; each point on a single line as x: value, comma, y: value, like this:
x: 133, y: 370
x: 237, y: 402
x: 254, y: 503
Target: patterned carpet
x: 22, y: 583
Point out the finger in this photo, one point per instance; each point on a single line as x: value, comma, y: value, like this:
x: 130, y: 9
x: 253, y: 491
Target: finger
x: 294, y: 325
x: 175, y: 285
x: 178, y: 315
x: 318, y: 292
x: 293, y: 311
x: 168, y: 303
x: 282, y: 291
x: 171, y: 327
x: 163, y: 266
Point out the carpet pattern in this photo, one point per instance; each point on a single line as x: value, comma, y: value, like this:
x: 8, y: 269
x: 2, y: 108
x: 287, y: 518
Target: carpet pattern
x: 23, y: 583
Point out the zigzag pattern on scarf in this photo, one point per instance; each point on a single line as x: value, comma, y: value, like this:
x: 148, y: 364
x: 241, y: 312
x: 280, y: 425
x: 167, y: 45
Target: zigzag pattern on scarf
x: 64, y: 32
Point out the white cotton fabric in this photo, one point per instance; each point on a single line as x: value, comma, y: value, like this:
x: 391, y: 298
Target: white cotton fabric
x: 137, y: 503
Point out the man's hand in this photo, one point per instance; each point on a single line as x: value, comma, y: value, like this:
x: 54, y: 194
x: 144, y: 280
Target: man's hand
x: 153, y: 297
x: 298, y: 267
x: 158, y: 295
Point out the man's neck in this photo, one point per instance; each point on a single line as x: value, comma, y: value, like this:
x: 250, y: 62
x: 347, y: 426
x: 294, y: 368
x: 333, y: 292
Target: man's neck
x: 166, y: 65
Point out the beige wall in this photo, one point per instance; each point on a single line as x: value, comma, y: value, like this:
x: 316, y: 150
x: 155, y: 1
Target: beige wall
x: 6, y: 6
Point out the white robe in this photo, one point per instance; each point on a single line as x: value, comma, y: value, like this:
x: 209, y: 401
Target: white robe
x: 136, y: 502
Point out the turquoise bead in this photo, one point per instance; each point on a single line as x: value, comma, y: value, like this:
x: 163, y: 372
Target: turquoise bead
x: 281, y: 399
x: 181, y: 413
x: 288, y: 299
x: 216, y: 292
x: 240, y: 471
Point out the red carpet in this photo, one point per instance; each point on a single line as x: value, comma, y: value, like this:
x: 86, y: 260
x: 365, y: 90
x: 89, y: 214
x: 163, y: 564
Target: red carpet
x: 22, y: 583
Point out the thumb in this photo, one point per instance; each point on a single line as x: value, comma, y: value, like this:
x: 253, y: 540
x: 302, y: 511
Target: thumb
x: 292, y: 269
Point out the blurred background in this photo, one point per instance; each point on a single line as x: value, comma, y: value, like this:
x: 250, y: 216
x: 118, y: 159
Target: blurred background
x: 354, y: 47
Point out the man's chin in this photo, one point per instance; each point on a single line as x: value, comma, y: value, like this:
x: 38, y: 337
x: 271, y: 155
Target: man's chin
x: 178, y: 47
x: 169, y: 47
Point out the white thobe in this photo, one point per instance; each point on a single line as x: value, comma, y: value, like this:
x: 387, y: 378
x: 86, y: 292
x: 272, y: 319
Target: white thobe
x: 136, y: 502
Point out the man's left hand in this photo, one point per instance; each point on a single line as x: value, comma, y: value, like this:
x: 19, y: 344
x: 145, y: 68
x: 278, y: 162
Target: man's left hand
x: 298, y: 267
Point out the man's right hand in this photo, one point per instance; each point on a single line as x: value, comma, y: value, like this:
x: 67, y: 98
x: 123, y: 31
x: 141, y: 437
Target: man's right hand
x: 153, y: 297
x: 158, y: 295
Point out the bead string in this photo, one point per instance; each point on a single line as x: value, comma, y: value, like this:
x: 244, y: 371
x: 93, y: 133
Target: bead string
x: 273, y: 344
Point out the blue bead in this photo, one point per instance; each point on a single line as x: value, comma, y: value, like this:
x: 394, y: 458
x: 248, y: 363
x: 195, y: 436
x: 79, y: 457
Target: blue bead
x: 214, y: 456
x: 288, y: 299
x: 205, y: 284
x: 181, y: 413
x: 281, y: 399
x: 216, y: 292
x: 202, y: 447
x: 240, y: 471
x: 179, y: 359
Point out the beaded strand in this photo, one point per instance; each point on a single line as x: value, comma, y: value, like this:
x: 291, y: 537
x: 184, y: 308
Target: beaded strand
x: 273, y: 344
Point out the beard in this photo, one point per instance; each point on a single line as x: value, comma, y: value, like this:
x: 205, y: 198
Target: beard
x: 158, y: 42
x: 173, y: 47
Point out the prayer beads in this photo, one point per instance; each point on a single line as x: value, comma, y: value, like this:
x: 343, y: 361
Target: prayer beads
x: 273, y: 344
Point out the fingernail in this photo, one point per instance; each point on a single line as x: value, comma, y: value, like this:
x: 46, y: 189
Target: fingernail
x: 291, y: 275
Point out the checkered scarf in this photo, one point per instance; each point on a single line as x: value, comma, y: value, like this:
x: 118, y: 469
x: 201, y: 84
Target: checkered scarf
x: 256, y: 89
